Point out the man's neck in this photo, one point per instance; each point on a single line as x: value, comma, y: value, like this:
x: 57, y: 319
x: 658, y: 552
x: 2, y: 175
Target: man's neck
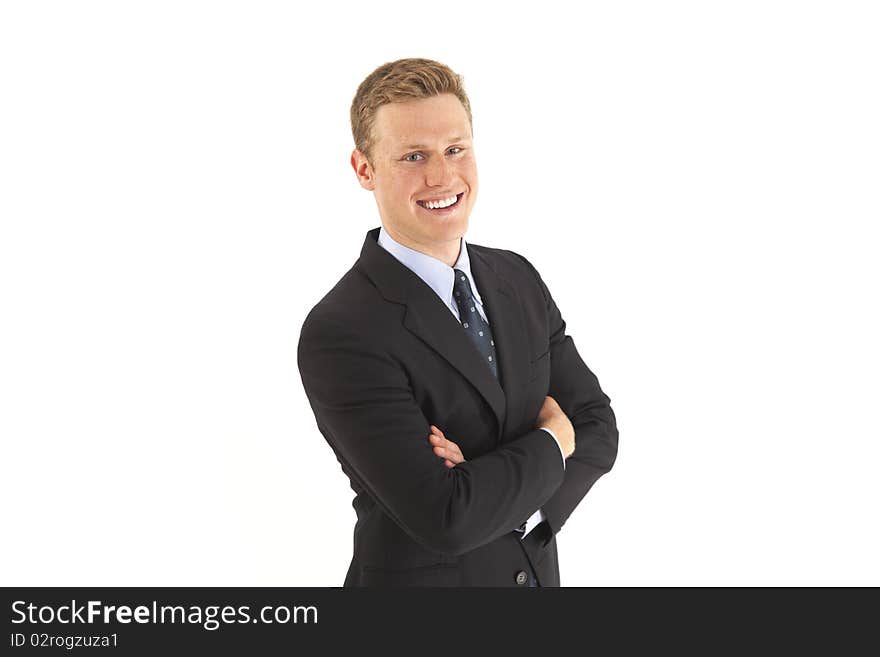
x: 446, y: 252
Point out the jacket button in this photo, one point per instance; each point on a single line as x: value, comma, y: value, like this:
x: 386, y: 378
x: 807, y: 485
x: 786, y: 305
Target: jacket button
x: 521, y: 578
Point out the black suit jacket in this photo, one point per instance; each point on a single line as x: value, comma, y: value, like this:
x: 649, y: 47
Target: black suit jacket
x: 381, y: 358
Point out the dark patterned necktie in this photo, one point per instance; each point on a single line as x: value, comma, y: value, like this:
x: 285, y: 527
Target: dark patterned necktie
x: 472, y: 322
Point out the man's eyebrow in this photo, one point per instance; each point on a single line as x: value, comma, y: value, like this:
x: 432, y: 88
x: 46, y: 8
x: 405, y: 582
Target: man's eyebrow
x: 425, y: 146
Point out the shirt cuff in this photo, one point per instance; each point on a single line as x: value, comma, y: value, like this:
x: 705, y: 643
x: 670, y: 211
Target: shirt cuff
x: 536, y: 519
x: 558, y: 444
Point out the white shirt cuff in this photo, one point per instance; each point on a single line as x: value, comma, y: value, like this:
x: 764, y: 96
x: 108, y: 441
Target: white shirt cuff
x: 536, y: 518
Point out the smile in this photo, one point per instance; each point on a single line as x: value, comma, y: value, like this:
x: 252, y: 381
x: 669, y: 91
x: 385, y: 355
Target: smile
x: 443, y: 204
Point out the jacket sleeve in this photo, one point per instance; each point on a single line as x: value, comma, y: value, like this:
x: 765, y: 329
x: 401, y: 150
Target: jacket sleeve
x: 576, y: 389
x: 365, y: 408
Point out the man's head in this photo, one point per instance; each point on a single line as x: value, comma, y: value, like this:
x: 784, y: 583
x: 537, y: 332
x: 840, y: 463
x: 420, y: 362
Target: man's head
x: 412, y: 127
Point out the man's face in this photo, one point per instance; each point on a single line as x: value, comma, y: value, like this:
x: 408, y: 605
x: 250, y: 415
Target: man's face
x: 422, y: 156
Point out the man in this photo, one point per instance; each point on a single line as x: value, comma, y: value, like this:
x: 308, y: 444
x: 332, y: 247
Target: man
x: 440, y: 372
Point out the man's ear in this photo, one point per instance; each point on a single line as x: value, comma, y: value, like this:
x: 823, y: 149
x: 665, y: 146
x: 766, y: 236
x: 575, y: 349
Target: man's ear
x: 363, y: 170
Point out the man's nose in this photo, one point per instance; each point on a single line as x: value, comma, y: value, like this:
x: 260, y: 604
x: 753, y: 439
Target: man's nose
x: 439, y: 173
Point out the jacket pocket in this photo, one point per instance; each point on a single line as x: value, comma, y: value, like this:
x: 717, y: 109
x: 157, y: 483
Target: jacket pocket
x: 540, y: 367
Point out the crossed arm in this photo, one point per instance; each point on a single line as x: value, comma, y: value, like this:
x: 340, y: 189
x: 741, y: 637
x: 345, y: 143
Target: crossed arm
x: 365, y: 407
x: 551, y: 417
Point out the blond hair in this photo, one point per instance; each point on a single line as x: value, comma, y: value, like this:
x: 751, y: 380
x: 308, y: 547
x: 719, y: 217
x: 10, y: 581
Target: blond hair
x: 400, y: 81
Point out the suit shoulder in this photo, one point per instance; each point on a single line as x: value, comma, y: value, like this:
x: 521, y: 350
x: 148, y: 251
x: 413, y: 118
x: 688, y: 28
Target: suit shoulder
x: 509, y: 264
x: 351, y: 304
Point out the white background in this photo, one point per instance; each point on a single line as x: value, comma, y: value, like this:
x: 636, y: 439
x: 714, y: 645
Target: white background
x: 697, y: 182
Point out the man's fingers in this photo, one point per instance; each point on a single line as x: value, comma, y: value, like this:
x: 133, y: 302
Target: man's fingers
x: 445, y: 448
x: 450, y: 451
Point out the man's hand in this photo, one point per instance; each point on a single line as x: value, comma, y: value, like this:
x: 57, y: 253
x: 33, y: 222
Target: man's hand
x: 555, y: 419
x: 446, y: 448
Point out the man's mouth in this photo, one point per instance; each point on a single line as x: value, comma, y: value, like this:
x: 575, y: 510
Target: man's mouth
x: 442, y: 205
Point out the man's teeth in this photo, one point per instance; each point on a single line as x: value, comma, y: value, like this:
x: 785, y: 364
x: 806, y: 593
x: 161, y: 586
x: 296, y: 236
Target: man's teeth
x: 445, y: 203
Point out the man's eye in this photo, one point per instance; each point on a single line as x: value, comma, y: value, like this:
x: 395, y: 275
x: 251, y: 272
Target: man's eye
x: 455, y: 148
x: 412, y: 155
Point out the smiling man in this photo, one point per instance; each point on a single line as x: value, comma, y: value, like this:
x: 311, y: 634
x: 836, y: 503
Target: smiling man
x: 439, y: 371
x: 425, y: 191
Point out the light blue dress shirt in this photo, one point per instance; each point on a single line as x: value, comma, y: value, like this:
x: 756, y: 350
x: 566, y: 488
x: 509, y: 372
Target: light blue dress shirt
x: 440, y: 277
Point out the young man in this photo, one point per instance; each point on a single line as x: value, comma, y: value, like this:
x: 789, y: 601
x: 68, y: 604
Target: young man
x: 440, y: 372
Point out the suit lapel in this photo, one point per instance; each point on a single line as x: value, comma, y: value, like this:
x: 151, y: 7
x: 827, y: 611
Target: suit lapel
x: 506, y: 320
x: 432, y: 322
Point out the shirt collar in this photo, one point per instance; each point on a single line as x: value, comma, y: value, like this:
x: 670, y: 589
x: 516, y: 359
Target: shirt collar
x: 435, y: 273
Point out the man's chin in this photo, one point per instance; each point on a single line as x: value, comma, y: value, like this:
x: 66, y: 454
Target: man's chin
x: 434, y: 231
x: 449, y: 232
x: 444, y: 227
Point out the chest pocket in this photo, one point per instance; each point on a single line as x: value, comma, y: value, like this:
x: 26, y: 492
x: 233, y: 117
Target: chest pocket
x: 539, y: 368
